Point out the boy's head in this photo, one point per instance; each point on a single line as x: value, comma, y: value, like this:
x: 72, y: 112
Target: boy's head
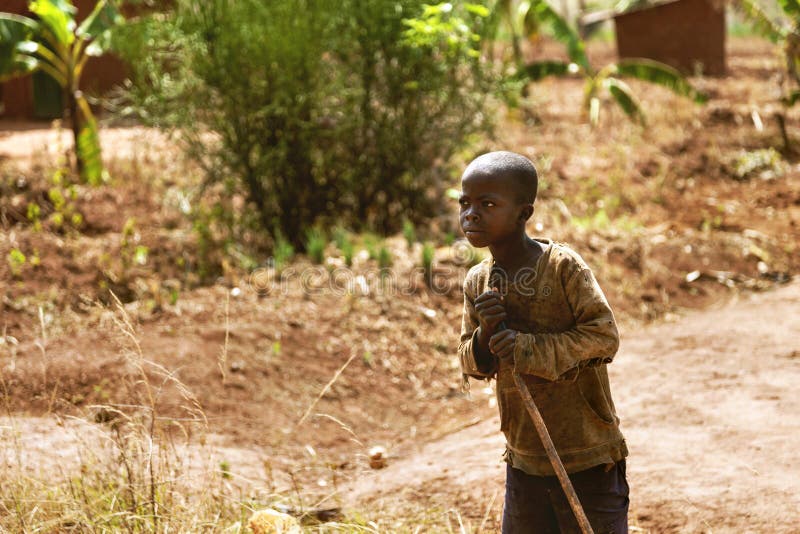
x: 517, y: 170
x: 498, y: 192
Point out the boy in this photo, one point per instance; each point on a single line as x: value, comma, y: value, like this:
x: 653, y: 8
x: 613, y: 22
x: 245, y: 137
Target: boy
x: 535, y: 308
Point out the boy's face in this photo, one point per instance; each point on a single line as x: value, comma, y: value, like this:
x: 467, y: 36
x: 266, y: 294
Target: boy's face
x: 490, y: 209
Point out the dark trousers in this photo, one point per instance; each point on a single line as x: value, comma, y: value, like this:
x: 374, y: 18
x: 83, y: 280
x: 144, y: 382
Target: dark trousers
x: 537, y: 505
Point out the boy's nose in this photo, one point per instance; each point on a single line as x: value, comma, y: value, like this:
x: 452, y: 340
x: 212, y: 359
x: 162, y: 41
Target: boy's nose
x: 471, y: 216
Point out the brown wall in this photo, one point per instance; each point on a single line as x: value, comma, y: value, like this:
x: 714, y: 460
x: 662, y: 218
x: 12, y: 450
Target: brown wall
x: 100, y: 74
x: 684, y: 34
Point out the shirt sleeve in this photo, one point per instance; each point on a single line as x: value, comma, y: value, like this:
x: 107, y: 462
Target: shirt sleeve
x: 473, y: 362
x: 593, y: 340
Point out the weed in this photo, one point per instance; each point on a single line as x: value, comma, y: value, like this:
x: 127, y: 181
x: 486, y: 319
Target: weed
x: 282, y: 252
x: 409, y: 233
x: 372, y: 243
x: 16, y: 260
x: 34, y: 215
x: 341, y: 237
x: 384, y: 258
x: 315, y: 245
x: 428, y: 254
x: 347, y: 251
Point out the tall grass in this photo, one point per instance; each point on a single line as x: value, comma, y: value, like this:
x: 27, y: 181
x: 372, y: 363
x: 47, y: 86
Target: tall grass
x: 132, y: 466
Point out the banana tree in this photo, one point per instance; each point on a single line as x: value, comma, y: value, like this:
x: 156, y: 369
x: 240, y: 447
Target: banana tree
x: 53, y: 43
x: 605, y: 80
x: 785, y: 33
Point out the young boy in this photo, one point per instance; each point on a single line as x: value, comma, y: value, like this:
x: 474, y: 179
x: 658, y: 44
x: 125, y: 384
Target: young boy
x: 535, y: 308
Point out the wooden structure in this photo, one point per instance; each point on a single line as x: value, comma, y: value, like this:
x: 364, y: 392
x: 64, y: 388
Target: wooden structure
x: 686, y: 34
x: 39, y: 96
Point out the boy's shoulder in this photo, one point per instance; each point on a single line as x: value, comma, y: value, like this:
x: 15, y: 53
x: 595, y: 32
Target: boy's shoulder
x: 561, y: 259
x: 563, y: 255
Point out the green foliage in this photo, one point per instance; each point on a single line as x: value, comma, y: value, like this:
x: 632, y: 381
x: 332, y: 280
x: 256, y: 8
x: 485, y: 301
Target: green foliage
x: 607, y: 78
x: 315, y: 245
x: 16, y: 259
x: 34, y: 215
x: 344, y: 242
x: 428, y: 255
x: 659, y: 74
x: 556, y: 26
x: 384, y: 258
x: 409, y: 233
x: 282, y: 252
x: 371, y: 243
x: 316, y: 110
x: 55, y: 45
x: 542, y: 69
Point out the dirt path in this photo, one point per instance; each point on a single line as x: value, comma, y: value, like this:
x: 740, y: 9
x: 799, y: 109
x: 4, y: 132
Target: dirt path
x: 709, y: 408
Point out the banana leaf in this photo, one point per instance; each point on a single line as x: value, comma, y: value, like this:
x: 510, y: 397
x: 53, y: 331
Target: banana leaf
x: 623, y: 95
x: 758, y: 18
x: 98, y: 25
x: 562, y: 31
x: 658, y: 73
x: 58, y: 16
x: 791, y: 8
x: 542, y: 69
x: 15, y: 29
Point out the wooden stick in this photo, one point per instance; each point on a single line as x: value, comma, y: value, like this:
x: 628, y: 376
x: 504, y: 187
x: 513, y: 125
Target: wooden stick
x: 552, y: 455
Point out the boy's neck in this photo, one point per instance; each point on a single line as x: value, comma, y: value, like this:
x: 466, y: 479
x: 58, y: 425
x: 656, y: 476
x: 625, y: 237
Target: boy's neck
x: 512, y: 254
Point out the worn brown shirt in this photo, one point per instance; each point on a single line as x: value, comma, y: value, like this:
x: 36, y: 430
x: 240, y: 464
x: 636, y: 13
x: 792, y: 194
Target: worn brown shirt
x: 566, y: 336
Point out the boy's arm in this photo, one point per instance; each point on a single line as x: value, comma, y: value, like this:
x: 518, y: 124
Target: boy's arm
x: 475, y: 360
x: 592, y: 341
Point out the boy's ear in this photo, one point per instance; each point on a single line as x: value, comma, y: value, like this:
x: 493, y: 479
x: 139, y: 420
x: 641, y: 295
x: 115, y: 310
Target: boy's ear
x: 526, y: 212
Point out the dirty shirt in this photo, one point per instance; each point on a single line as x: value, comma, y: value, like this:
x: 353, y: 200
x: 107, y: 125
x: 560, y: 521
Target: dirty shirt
x: 566, y: 336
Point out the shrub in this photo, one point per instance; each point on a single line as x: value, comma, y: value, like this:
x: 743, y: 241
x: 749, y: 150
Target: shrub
x: 315, y: 109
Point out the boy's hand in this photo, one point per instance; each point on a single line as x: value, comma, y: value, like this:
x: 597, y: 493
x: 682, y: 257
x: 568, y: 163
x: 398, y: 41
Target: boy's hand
x: 502, y: 343
x: 491, y: 312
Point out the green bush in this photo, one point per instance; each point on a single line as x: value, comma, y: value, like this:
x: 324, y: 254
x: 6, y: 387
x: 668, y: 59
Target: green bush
x: 315, y: 110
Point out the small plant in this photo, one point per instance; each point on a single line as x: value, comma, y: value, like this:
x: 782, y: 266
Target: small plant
x: 409, y: 233
x: 341, y: 237
x: 16, y: 260
x: 384, y: 258
x: 282, y: 252
x: 372, y: 243
x: 428, y: 255
x: 315, y: 245
x: 128, y: 242
x: 34, y: 215
x: 348, y: 250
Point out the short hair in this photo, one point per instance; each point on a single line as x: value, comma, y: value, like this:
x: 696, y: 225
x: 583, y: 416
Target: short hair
x: 512, y: 165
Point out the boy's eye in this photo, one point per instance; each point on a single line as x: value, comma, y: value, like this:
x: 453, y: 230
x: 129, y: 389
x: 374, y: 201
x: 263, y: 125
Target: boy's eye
x: 463, y: 202
x: 488, y: 204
